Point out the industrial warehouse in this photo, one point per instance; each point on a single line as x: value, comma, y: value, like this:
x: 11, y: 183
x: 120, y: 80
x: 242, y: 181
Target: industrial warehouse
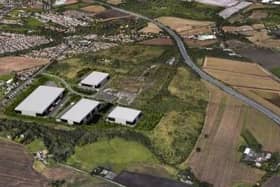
x: 46, y: 99
x: 95, y: 79
x: 124, y: 116
x: 81, y: 112
x: 40, y: 101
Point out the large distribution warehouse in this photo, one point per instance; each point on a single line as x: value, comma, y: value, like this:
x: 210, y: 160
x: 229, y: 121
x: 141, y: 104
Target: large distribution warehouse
x: 40, y: 101
x: 124, y: 116
x: 95, y: 79
x: 81, y: 112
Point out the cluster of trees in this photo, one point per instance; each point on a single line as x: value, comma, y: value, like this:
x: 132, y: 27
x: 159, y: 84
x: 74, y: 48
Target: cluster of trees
x: 61, y: 143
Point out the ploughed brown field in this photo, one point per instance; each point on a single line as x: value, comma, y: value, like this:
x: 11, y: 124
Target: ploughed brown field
x: 218, y: 162
x: 16, y: 167
x: 248, y: 78
x: 12, y: 64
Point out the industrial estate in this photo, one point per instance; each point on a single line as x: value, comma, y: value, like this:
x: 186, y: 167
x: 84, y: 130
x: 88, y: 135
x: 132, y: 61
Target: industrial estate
x: 137, y: 93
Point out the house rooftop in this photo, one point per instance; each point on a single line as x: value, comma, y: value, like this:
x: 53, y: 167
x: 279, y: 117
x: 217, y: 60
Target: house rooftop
x: 80, y: 110
x: 40, y: 99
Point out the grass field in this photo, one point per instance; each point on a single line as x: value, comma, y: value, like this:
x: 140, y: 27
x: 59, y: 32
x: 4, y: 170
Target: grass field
x: 172, y: 8
x: 36, y: 145
x: 116, y: 153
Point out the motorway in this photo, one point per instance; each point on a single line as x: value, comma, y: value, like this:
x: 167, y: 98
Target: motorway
x: 205, y: 76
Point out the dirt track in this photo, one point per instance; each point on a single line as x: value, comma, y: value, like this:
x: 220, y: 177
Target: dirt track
x: 218, y: 162
x: 16, y: 167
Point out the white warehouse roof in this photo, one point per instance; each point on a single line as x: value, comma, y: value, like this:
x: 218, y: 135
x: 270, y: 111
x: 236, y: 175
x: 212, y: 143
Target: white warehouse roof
x: 80, y: 110
x: 123, y: 113
x: 40, y: 99
x: 95, y: 78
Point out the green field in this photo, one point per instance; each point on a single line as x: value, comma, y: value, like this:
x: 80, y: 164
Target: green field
x: 116, y: 153
x: 35, y: 146
x: 276, y: 71
x: 176, y: 8
x: 177, y: 132
x: 242, y: 185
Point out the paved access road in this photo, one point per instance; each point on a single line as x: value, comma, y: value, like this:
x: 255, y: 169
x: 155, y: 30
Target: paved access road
x: 187, y: 60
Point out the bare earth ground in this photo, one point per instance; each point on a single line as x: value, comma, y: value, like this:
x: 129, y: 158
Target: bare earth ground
x: 114, y: 2
x: 16, y: 167
x: 218, y: 162
x: 94, y: 9
x: 10, y: 64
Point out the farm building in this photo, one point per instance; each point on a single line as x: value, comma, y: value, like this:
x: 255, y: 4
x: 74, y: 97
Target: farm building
x: 81, y: 112
x: 124, y: 116
x: 95, y: 79
x: 40, y: 101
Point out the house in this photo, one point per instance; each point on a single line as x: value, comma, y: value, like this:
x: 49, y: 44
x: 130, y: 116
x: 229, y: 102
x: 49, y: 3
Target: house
x: 95, y: 80
x: 41, y: 101
x: 124, y: 116
x: 81, y: 112
x: 256, y: 157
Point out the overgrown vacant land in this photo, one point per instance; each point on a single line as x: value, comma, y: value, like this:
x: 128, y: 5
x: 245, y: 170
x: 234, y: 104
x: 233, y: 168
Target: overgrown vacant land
x: 218, y: 162
x: 173, y: 101
x: 176, y: 133
x: 172, y: 8
x: 16, y: 167
x: 249, y: 78
x: 12, y: 64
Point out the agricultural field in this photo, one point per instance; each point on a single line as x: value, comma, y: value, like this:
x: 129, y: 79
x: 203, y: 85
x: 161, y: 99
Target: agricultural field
x: 249, y: 78
x: 116, y: 153
x: 215, y: 158
x: 257, y: 124
x: 267, y: 58
x: 182, y: 26
x: 16, y: 167
x: 169, y: 42
x: 14, y: 64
